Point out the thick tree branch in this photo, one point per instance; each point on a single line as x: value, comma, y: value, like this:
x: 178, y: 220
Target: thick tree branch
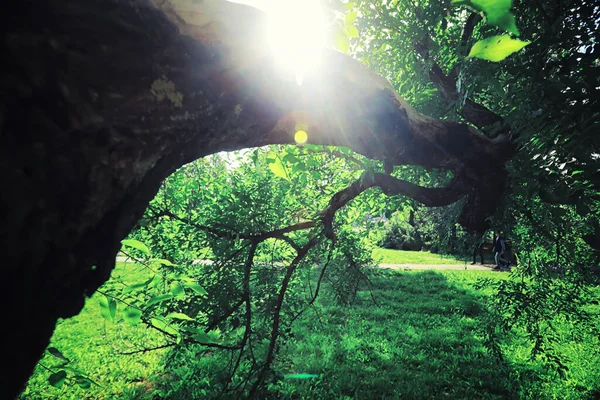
x: 391, y: 186
x: 470, y: 24
x: 473, y: 112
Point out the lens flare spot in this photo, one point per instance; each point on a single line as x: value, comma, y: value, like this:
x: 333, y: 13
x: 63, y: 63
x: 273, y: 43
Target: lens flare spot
x: 300, y: 137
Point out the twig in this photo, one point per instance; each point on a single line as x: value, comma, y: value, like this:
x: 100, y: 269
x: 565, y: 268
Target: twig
x: 248, y: 325
x: 365, y: 277
x: 314, y: 296
x: 145, y: 350
x: 276, y: 317
x: 223, y: 317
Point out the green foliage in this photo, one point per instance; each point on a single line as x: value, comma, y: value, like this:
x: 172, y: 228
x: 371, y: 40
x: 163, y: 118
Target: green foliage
x: 346, y: 30
x: 243, y: 197
x: 349, y: 265
x: 136, y: 244
x: 164, y: 326
x: 158, y: 299
x: 132, y: 315
x: 199, y: 290
x: 401, y: 235
x: 496, y: 48
x: 108, y: 308
x: 57, y: 379
x: 552, y: 285
x: 56, y: 353
x: 496, y: 12
x: 301, y: 376
x: 277, y: 166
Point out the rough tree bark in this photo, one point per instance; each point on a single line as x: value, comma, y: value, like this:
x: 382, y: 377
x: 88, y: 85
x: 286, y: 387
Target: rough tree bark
x: 102, y: 100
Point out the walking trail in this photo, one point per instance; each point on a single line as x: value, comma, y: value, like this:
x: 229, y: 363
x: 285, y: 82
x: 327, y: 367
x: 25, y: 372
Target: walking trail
x: 457, y: 267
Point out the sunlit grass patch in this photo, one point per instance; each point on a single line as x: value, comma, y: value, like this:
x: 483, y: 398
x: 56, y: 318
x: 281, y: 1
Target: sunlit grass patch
x: 388, y: 256
x: 94, y: 347
x: 422, y: 339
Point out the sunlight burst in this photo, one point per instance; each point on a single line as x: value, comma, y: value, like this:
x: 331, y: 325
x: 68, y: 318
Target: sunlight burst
x: 297, y: 35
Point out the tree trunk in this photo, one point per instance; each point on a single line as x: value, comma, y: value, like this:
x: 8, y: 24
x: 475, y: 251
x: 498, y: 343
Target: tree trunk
x: 102, y: 100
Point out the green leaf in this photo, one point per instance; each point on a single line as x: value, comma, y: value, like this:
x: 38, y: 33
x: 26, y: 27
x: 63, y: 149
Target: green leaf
x: 203, y: 337
x: 349, y: 6
x: 158, y: 299
x: 301, y: 166
x: 177, y: 289
x: 507, y: 22
x: 136, y: 244
x: 352, y: 31
x: 57, y: 379
x: 350, y: 18
x: 178, y: 315
x: 135, y: 286
x: 132, y: 315
x: 493, y: 7
x: 277, y: 167
x: 497, y: 12
x: 162, y: 261
x: 112, y: 308
x: 196, y: 288
x: 301, y: 376
x: 56, y: 353
x: 341, y: 43
x: 83, y: 382
x: 496, y: 48
x: 163, y: 326
x: 108, y: 308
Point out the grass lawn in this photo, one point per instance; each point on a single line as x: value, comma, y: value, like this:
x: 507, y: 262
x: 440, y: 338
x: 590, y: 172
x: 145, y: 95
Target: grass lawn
x: 94, y: 346
x: 387, y: 256
x: 422, y: 340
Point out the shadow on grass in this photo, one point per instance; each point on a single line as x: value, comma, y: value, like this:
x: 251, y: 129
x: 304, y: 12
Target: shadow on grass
x: 421, y: 341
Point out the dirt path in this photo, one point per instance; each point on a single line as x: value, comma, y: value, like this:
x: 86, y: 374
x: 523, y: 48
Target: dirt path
x: 457, y: 267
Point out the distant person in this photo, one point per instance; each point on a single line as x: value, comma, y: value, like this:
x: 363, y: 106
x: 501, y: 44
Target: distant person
x: 499, y: 248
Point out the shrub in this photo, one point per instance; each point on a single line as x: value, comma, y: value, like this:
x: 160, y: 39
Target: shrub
x: 401, y: 235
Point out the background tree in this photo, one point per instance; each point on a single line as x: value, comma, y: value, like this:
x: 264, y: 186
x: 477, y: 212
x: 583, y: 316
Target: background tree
x: 545, y: 98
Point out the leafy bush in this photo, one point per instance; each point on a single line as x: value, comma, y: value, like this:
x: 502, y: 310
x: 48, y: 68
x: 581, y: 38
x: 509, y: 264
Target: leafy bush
x: 401, y: 233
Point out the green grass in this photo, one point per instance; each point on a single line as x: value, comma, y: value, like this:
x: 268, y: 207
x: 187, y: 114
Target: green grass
x: 422, y: 340
x: 93, y: 345
x: 387, y: 256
